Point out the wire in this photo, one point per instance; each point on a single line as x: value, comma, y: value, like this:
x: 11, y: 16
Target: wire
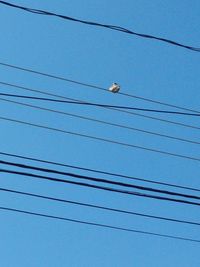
x: 111, y: 27
x: 101, y: 139
x: 97, y: 171
x: 101, y: 180
x: 102, y: 121
x: 52, y: 76
x: 98, y: 207
x: 158, y: 102
x: 98, y: 225
x: 158, y: 119
x: 115, y: 109
x: 105, y: 188
x: 101, y: 105
x: 86, y: 85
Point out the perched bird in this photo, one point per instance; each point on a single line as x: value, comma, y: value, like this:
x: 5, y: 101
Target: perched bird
x: 114, y: 88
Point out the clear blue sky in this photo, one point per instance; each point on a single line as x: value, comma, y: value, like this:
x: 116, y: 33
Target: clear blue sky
x: 98, y: 56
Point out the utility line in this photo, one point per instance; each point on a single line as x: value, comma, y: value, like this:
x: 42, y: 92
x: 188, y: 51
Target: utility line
x: 82, y: 204
x: 98, y: 187
x: 115, y: 109
x: 159, y: 119
x: 99, y: 180
x: 97, y: 224
x: 97, y: 171
x: 111, y: 27
x: 101, y: 121
x: 101, y: 139
x: 52, y: 76
x: 101, y: 105
x: 87, y: 85
x: 158, y: 102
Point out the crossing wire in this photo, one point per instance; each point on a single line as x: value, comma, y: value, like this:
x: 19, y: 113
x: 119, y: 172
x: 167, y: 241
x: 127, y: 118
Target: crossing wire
x: 90, y: 86
x: 115, y: 109
x: 101, y: 105
x: 122, y: 126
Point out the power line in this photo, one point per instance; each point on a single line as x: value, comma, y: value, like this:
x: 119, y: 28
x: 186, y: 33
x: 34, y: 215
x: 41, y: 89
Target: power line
x: 67, y: 201
x: 52, y: 76
x: 102, y: 105
x: 97, y: 171
x: 86, y: 85
x: 101, y: 139
x: 98, y: 225
x: 159, y: 119
x: 105, y: 188
x: 98, y: 180
x: 111, y: 27
x: 101, y: 121
x: 115, y: 109
x: 158, y: 102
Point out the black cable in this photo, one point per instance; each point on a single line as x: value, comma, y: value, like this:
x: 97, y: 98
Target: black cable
x: 158, y: 119
x: 86, y: 85
x: 97, y: 171
x: 102, y: 122
x: 101, y: 105
x: 111, y: 27
x: 67, y: 201
x: 115, y: 109
x: 52, y: 76
x: 101, y: 139
x: 158, y: 102
x: 97, y: 224
x: 105, y: 188
x: 97, y: 180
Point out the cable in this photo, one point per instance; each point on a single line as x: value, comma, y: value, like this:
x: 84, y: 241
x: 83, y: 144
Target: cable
x: 98, y: 207
x: 102, y: 105
x: 98, y: 225
x: 86, y: 85
x: 101, y: 180
x: 97, y: 171
x: 111, y: 27
x: 118, y: 110
x: 101, y: 139
x: 102, y: 122
x: 158, y: 102
x: 52, y: 76
x: 158, y: 119
x: 105, y: 188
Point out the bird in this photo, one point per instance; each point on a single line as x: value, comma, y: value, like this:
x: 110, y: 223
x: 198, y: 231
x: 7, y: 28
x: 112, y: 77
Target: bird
x: 114, y: 88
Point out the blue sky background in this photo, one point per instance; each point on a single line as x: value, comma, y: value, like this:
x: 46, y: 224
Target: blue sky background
x: 98, y: 56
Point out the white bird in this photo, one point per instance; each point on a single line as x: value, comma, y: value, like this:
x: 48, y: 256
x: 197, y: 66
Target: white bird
x: 114, y: 88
